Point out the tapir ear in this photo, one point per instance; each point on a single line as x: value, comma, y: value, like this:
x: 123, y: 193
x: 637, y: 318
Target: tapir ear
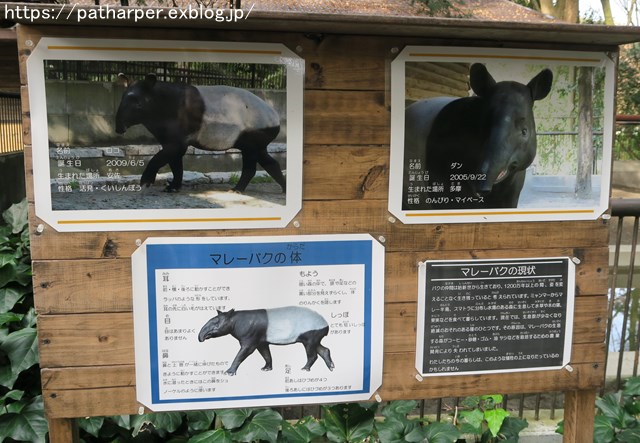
x: 480, y: 79
x: 150, y: 80
x: 540, y: 85
x: 123, y: 80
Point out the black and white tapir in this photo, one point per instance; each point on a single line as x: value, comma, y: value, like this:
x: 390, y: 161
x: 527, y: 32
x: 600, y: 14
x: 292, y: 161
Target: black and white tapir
x: 259, y: 328
x: 213, y: 118
x: 483, y: 144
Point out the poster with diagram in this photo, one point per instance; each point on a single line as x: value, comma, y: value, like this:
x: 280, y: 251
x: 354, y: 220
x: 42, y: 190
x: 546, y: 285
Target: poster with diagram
x: 257, y: 321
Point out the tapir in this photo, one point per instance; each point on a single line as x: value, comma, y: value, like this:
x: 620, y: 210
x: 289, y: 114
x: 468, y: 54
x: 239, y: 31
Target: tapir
x: 473, y: 150
x: 213, y: 118
x: 259, y: 328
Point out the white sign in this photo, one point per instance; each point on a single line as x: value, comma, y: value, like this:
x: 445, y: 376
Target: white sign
x: 257, y: 321
x: 161, y: 145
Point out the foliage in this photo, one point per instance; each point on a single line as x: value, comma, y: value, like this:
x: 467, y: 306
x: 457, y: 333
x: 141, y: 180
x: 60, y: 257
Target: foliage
x: 628, y: 102
x: 618, y: 416
x: 441, y: 8
x: 482, y: 417
x: 21, y: 407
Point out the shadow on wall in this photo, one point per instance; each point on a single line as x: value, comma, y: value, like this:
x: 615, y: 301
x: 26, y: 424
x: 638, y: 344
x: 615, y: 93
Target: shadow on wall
x: 12, y: 180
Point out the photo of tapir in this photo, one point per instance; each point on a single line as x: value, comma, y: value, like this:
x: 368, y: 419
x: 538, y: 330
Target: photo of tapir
x: 474, y: 150
x: 211, y: 118
x: 260, y: 328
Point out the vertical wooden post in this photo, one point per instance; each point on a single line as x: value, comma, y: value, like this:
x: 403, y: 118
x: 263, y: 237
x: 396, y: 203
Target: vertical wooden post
x: 579, y: 416
x: 63, y: 430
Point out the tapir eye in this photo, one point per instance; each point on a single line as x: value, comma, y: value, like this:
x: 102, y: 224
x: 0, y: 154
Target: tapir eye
x: 525, y: 131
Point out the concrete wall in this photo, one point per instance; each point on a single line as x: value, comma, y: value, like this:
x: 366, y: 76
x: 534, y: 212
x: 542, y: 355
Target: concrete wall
x: 12, y: 181
x: 83, y: 114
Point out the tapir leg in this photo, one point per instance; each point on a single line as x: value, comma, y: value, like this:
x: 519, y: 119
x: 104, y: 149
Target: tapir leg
x: 326, y: 356
x: 312, y: 355
x: 264, y: 350
x: 248, y: 171
x: 272, y: 167
x: 171, y: 154
x: 243, y: 353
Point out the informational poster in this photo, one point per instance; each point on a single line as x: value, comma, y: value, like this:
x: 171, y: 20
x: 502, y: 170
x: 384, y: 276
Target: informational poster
x: 490, y: 316
x: 144, y: 135
x: 482, y: 135
x: 257, y: 321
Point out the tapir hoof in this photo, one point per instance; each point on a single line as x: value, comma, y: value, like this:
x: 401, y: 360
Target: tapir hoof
x: 267, y: 368
x: 306, y: 369
x: 230, y: 372
x: 234, y: 191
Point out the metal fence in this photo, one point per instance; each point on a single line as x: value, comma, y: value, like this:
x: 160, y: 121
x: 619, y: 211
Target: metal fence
x: 10, y: 123
x: 241, y: 75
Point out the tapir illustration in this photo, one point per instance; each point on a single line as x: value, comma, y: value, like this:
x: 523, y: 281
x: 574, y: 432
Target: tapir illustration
x: 259, y: 328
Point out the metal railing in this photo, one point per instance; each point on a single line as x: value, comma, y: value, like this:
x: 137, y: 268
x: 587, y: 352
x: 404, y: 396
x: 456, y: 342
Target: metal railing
x: 10, y: 123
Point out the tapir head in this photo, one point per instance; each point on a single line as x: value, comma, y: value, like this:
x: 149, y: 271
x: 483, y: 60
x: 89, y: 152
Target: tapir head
x: 217, y: 326
x: 511, y: 142
x: 137, y: 102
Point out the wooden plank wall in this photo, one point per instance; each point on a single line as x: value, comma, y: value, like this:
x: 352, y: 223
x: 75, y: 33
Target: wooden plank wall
x: 82, y: 281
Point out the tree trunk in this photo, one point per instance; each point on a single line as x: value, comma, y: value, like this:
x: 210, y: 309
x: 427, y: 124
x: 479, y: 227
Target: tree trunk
x: 585, y: 132
x: 606, y: 10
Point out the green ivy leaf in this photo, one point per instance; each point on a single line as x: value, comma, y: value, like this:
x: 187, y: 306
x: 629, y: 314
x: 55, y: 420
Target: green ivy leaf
x: 163, y: 422
x: 262, y: 426
x: 200, y: 420
x: 399, y: 408
x: 234, y: 418
x: 11, y: 395
x: 390, y: 431
x: 472, y: 402
x: 611, y: 408
x: 304, y: 431
x: 441, y: 433
x: 632, y: 386
x: 91, y: 425
x: 29, y: 425
x: 123, y: 421
x: 348, y: 422
x: 9, y: 296
x: 9, y: 317
x: 512, y: 426
x: 560, y: 428
x: 629, y: 435
x: 417, y: 434
x: 472, y: 421
x: 22, y: 349
x: 603, y: 431
x: 494, y: 418
x: 490, y: 401
x: 217, y: 436
x: 17, y: 216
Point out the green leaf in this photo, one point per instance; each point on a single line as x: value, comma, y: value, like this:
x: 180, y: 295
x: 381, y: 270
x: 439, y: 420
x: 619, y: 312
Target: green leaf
x: 391, y: 431
x: 610, y: 407
x: 12, y: 395
x: 512, y: 426
x: 494, y: 418
x: 163, y: 422
x: 417, y: 434
x: 262, y: 426
x: 217, y: 436
x: 471, y: 402
x: 124, y: 421
x: 473, y: 421
x: 305, y: 430
x: 603, y: 431
x: 629, y: 435
x: 7, y: 377
x: 9, y: 296
x: 348, y: 422
x: 200, y: 420
x: 9, y: 317
x: 29, y: 425
x: 91, y: 425
x: 234, y: 418
x: 17, y: 216
x: 22, y: 349
x: 399, y: 408
x: 490, y: 401
x: 439, y: 432
x: 560, y: 428
x: 632, y: 386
